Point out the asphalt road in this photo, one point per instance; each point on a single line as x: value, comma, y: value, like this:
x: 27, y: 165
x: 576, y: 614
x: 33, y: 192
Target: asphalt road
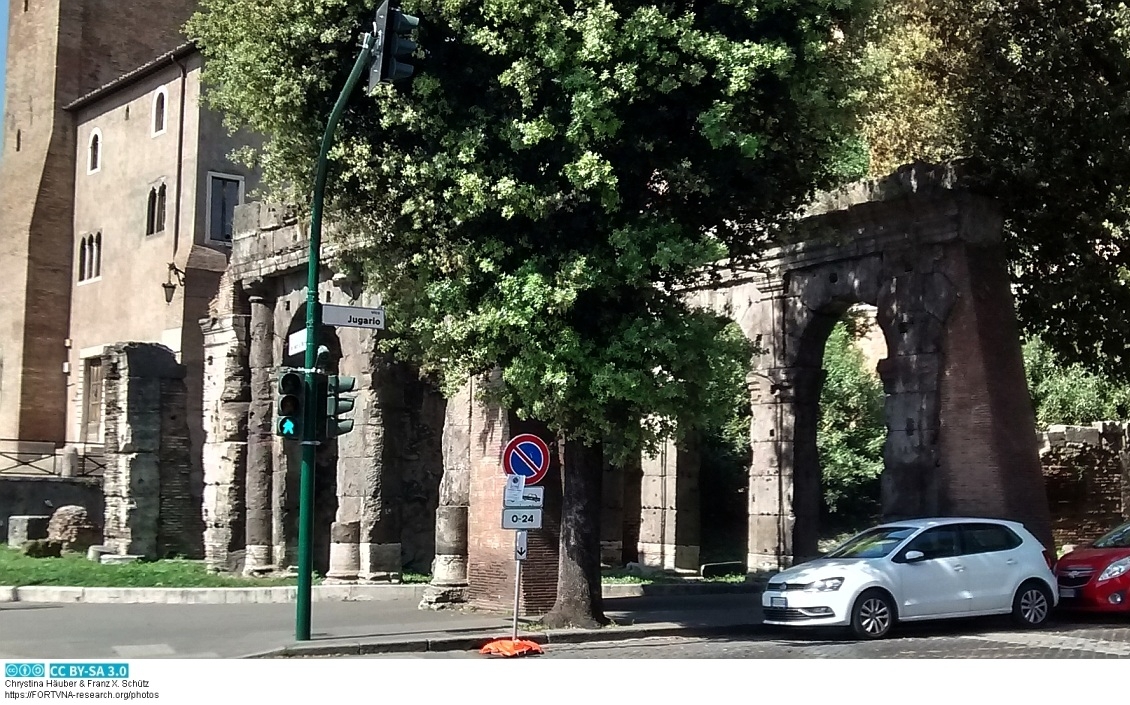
x: 1085, y: 638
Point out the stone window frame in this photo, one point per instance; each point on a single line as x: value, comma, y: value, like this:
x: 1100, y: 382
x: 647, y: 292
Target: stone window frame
x: 90, y: 258
x: 95, y: 151
x: 160, y: 111
x: 211, y: 176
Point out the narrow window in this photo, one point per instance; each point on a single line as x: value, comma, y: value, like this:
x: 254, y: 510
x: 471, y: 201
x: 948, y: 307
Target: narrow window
x: 97, y: 272
x: 151, y: 213
x: 160, y: 209
x: 159, y: 112
x: 82, y: 259
x: 127, y: 112
x: 25, y: 5
x: 94, y: 160
x: 224, y: 194
x: 19, y: 140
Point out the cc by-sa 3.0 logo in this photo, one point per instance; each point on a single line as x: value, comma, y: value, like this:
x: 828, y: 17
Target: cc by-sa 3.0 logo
x: 24, y: 670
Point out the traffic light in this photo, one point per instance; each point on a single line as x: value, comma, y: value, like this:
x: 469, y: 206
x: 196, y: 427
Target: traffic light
x: 393, y: 46
x: 336, y: 405
x: 291, y: 401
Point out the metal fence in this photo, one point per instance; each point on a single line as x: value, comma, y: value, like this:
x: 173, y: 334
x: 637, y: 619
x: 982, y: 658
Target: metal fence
x: 21, y: 458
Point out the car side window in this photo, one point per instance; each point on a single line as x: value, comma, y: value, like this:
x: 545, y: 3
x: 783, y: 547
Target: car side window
x: 988, y: 538
x: 939, y: 542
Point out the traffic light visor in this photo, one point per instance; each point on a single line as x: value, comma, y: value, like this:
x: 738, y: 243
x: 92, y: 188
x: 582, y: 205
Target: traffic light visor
x: 290, y: 383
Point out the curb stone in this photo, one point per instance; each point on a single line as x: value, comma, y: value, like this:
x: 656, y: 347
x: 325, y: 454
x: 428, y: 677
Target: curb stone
x: 474, y: 643
x: 319, y: 593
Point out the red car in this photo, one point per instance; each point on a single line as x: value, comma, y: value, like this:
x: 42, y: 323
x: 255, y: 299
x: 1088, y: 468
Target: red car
x: 1097, y: 578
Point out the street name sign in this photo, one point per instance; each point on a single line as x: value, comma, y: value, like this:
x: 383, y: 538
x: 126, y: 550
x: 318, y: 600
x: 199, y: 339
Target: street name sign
x: 296, y: 343
x: 353, y: 316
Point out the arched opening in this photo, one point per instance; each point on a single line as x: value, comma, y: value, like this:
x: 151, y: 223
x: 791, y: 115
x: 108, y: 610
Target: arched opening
x: 151, y: 213
x: 851, y: 429
x: 82, y: 259
x: 97, y: 271
x: 159, y: 112
x: 160, y: 218
x: 94, y: 156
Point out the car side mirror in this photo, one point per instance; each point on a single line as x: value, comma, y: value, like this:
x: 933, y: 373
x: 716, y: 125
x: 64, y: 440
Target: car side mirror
x: 914, y: 556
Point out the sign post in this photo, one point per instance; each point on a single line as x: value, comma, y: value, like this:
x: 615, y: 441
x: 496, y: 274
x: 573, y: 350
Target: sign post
x: 526, y: 461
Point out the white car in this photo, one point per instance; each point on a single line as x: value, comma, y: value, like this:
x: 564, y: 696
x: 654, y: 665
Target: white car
x: 914, y: 570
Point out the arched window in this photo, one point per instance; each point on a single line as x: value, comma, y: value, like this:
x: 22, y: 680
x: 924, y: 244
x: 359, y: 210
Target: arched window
x: 97, y: 271
x: 94, y: 160
x: 160, y: 209
x: 151, y: 213
x: 159, y: 101
x: 82, y: 259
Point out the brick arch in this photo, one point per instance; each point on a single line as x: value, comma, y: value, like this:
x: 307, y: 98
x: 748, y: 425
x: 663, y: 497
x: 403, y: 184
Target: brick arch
x: 961, y: 430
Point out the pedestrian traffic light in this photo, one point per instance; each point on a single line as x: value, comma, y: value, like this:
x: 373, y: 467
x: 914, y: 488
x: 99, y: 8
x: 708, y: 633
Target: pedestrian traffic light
x: 288, y: 412
x: 336, y: 405
x: 393, y: 46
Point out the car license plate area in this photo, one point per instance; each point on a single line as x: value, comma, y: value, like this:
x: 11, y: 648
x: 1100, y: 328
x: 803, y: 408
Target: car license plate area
x: 1067, y: 592
x: 778, y: 602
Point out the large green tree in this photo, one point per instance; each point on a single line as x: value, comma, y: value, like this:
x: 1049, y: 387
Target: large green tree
x: 1036, y: 93
x: 540, y: 193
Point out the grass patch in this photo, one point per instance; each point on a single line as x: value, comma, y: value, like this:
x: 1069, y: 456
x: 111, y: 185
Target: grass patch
x: 415, y: 578
x: 76, y: 571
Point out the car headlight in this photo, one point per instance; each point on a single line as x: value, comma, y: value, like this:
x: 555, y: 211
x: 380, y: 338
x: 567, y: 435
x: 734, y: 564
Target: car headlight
x: 1115, y: 569
x: 825, y: 585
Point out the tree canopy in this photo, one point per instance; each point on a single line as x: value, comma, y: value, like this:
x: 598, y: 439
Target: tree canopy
x: 1036, y: 93
x: 539, y: 192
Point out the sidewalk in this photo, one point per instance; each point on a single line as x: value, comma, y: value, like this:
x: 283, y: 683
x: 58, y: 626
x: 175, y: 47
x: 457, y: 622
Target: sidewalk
x: 58, y: 631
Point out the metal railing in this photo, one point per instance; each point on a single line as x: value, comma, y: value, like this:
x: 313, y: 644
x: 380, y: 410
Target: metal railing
x: 22, y: 458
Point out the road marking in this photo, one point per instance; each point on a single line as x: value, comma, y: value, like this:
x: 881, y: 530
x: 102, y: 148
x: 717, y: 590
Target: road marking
x: 144, y: 650
x: 1056, y: 641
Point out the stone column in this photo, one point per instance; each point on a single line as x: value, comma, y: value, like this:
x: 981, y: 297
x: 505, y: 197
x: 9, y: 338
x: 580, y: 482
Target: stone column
x: 770, y: 478
x: 449, y: 568
x: 226, y: 395
x: 669, y: 518
x: 260, y: 436
x: 366, y: 463
x: 612, y: 516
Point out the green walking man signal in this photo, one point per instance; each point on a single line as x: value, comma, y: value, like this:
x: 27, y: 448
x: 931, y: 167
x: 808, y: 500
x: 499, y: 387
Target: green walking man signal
x: 291, y: 402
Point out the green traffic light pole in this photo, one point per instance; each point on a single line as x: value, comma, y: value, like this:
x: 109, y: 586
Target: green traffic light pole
x: 313, y: 321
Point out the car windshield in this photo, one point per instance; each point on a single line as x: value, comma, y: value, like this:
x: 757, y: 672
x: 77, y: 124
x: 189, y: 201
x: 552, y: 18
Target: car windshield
x: 874, y: 543
x: 1119, y: 538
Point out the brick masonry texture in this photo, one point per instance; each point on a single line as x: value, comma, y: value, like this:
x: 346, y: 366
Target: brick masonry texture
x: 1087, y: 470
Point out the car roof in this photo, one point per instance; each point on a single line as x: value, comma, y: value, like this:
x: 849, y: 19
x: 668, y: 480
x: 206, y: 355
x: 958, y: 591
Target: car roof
x: 926, y: 522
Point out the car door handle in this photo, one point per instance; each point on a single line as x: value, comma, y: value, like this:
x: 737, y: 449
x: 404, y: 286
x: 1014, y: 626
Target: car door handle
x: 959, y: 567
x: 1011, y: 561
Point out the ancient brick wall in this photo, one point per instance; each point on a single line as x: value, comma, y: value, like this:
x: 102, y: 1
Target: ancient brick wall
x: 1087, y: 472
x: 490, y: 548
x: 150, y: 509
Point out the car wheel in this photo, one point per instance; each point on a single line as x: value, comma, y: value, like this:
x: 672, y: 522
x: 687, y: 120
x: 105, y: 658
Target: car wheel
x: 873, y: 615
x: 1032, y: 605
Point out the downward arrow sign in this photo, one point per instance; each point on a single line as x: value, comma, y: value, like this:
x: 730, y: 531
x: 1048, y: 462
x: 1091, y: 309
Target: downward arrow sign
x: 520, y: 545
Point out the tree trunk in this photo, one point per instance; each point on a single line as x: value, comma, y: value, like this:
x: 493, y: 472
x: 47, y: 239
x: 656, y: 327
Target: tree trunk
x: 579, y: 602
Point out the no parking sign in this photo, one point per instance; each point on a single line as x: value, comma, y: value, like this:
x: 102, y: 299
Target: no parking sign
x: 528, y: 456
